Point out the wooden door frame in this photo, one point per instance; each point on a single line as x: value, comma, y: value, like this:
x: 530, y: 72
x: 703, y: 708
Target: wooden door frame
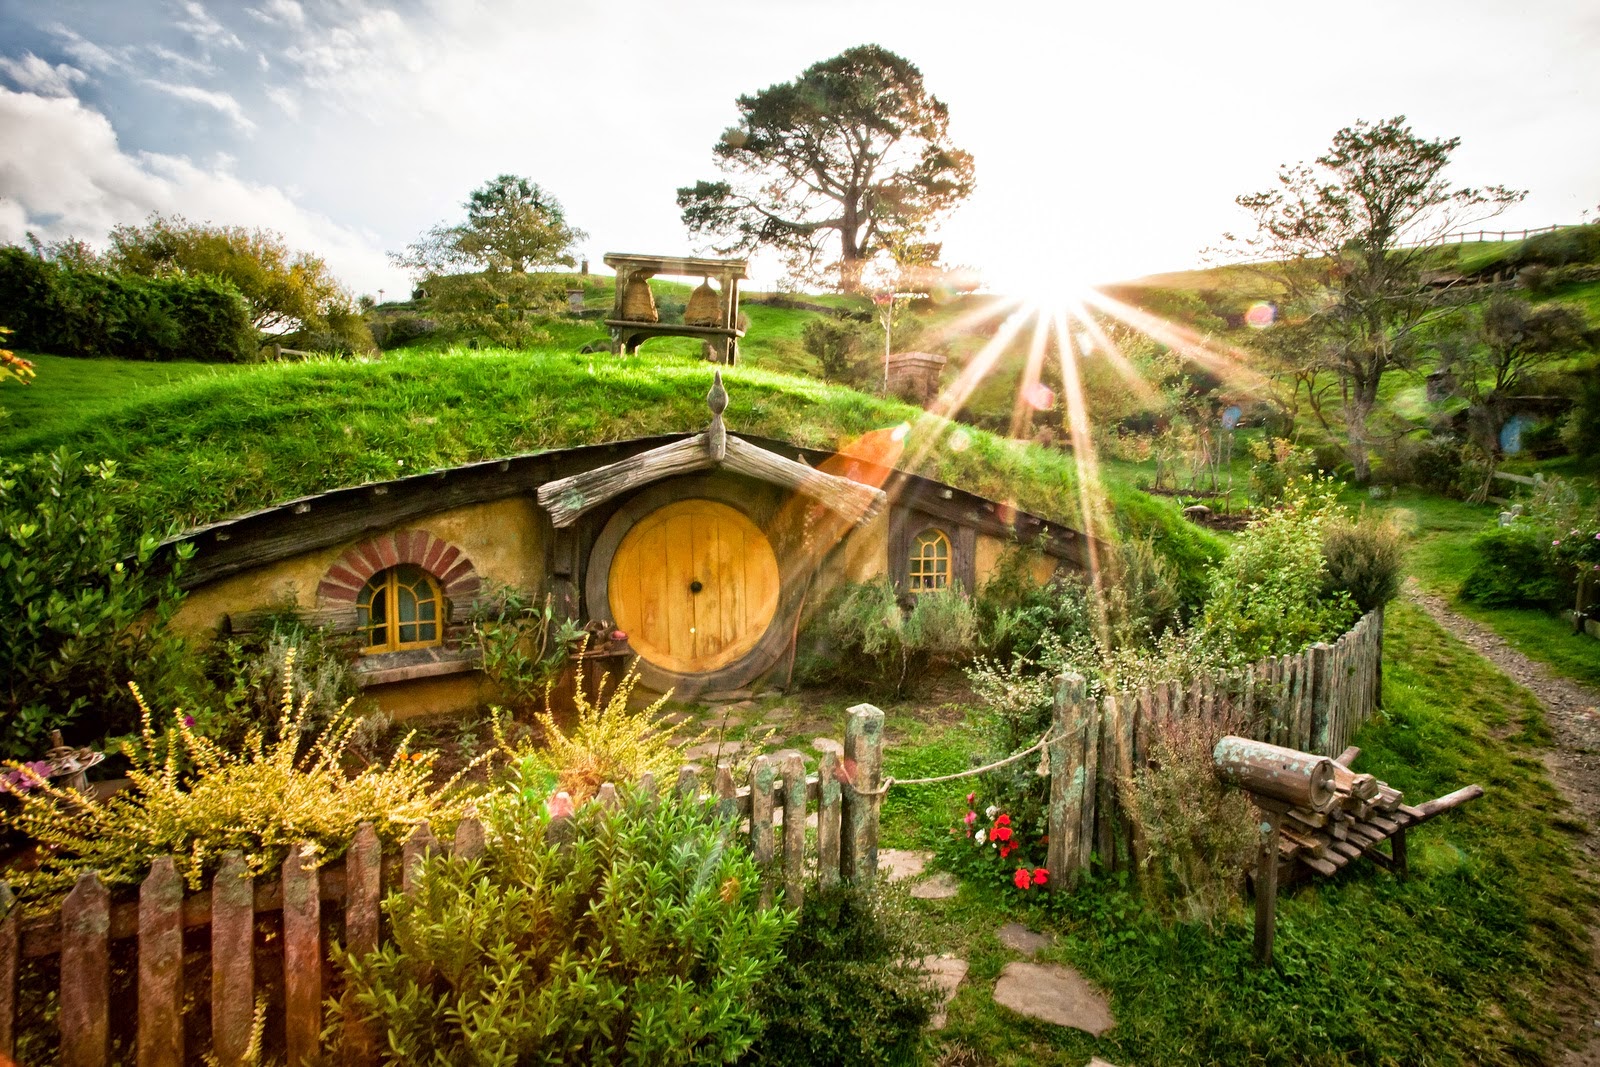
x: 756, y: 501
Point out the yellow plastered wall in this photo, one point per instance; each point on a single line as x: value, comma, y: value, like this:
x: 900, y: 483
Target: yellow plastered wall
x: 503, y: 539
x: 863, y: 556
x: 420, y: 697
x: 989, y: 551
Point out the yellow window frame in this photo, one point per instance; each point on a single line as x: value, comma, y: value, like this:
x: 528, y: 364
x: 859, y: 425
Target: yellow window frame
x: 928, y: 568
x: 390, y: 590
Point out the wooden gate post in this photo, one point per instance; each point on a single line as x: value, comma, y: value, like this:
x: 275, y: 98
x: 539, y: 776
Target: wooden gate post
x: 1270, y: 814
x: 863, y: 761
x: 1066, y: 783
x: 1320, y: 660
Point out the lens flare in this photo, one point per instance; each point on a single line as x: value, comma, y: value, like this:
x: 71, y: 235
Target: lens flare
x: 1261, y: 315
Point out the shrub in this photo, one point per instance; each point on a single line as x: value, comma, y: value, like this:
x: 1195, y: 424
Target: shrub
x: 523, y: 645
x: 1563, y: 247
x: 638, y: 941
x: 1018, y: 616
x: 193, y: 799
x: 86, y: 609
x: 1193, y: 836
x: 1364, y: 558
x: 836, y: 346
x: 865, y: 629
x: 849, y: 988
x: 250, y: 673
x: 1514, y: 568
x: 1580, y: 430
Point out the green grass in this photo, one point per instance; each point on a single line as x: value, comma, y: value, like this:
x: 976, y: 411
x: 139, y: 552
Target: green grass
x: 71, y: 390
x: 1454, y: 966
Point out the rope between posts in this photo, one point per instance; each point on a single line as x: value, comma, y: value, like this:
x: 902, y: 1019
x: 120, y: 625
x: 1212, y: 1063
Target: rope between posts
x: 890, y: 780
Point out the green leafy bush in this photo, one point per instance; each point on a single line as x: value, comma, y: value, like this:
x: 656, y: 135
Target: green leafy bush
x: 635, y: 939
x: 1514, y: 568
x: 193, y: 799
x: 86, y: 612
x: 248, y: 675
x: 1364, y: 558
x: 1019, y: 616
x: 72, y: 312
x: 849, y: 988
x: 836, y: 345
x: 864, y: 628
x: 523, y: 645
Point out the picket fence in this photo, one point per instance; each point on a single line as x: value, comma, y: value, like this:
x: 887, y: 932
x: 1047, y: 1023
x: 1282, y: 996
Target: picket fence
x: 1314, y: 701
x: 91, y: 935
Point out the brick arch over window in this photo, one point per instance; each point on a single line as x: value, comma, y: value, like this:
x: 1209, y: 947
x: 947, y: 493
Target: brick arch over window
x: 448, y: 565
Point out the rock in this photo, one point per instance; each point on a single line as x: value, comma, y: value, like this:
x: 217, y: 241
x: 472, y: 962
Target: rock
x: 1019, y: 938
x: 899, y: 863
x: 827, y: 744
x: 1055, y: 994
x: 709, y: 752
x: 946, y: 974
x: 777, y: 818
x: 1096, y: 1061
x: 940, y: 886
x: 675, y: 718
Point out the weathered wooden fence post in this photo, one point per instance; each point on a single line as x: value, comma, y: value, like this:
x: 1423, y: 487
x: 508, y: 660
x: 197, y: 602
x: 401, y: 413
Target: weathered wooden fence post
x: 363, y: 887
x: 161, y: 966
x: 828, y: 819
x: 794, y: 829
x: 233, y: 928
x: 302, y: 953
x: 1318, y: 661
x: 10, y: 964
x: 863, y: 759
x: 1066, y: 782
x: 86, y: 974
x: 761, y: 837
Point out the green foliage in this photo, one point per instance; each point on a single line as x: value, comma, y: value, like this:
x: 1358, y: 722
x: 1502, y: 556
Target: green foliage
x: 194, y: 799
x: 1274, y: 463
x: 1567, y: 246
x: 286, y: 290
x: 849, y: 988
x: 523, y: 645
x: 634, y: 938
x: 864, y: 629
x: 836, y: 345
x: 1580, y: 431
x: 250, y: 673
x: 854, y: 151
x: 1364, y: 559
x: 1514, y: 568
x: 1196, y: 836
x: 57, y: 308
x: 86, y: 607
x: 1019, y: 616
x: 502, y: 308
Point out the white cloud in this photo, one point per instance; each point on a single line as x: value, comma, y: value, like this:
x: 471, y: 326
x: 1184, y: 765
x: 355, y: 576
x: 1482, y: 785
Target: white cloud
x: 179, y: 63
x: 38, y: 76
x: 287, y: 102
x: 282, y: 12
x: 217, y: 101
x: 203, y: 27
x: 63, y: 164
x: 86, y: 51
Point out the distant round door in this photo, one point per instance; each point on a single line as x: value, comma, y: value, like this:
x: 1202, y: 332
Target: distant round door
x: 695, y: 585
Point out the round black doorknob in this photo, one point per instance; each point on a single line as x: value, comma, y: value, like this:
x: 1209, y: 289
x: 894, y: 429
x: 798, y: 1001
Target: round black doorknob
x: 695, y: 586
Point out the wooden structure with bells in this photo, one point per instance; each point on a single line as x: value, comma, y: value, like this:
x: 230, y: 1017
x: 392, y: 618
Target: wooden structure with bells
x: 711, y: 316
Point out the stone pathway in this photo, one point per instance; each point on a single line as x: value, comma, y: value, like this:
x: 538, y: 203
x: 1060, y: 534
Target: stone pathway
x: 902, y: 865
x: 1572, y: 711
x: 1053, y: 993
x: 1019, y: 938
x: 946, y: 973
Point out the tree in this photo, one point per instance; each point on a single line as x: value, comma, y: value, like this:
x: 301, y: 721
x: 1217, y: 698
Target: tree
x: 286, y: 290
x: 512, y: 225
x: 1347, y: 239
x: 1505, y: 343
x: 848, y: 159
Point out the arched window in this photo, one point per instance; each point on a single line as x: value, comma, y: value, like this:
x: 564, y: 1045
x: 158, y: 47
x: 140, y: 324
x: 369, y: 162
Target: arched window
x: 929, y: 566
x: 400, y: 608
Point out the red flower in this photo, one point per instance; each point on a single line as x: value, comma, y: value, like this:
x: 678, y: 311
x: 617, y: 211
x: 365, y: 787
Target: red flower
x: 1001, y: 833
x: 1003, y: 820
x: 1040, y: 876
x: 1020, y: 879
x: 1006, y: 850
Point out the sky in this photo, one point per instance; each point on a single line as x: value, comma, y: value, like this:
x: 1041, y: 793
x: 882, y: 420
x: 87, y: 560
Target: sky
x: 1110, y: 139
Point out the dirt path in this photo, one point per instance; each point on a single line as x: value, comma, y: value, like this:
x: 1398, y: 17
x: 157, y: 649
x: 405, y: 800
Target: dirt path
x: 1572, y: 712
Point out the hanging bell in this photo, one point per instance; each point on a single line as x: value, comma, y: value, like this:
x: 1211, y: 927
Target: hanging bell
x: 705, y: 309
x: 638, y: 303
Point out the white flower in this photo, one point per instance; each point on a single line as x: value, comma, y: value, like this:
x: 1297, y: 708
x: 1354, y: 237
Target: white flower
x: 990, y: 812
x: 983, y: 835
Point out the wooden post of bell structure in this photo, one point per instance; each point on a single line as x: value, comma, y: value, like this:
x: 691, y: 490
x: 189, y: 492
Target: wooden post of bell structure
x: 1268, y: 828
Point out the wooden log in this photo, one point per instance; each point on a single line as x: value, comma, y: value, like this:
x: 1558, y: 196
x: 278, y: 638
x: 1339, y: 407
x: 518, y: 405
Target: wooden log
x: 1388, y: 826
x: 688, y: 787
x: 1415, y: 814
x: 1358, y: 786
x: 1309, y: 844
x: 302, y: 954
x: 363, y: 890
x: 1347, y: 757
x: 1345, y: 849
x: 863, y: 758
x: 761, y: 836
x: 1440, y: 805
x: 1320, y: 864
x: 1321, y: 698
x: 10, y: 965
x: 1366, y: 835
x: 727, y: 793
x: 1089, y: 794
x: 794, y: 830
x: 419, y: 844
x: 232, y: 959
x: 1105, y: 783
x: 1282, y: 774
x: 1311, y: 820
x: 828, y: 819
x: 1066, y: 816
x: 161, y: 966
x: 470, y: 840
x: 85, y: 1006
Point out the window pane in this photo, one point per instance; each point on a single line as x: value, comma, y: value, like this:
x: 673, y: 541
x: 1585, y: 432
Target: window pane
x: 427, y: 632
x: 380, y: 607
x: 425, y: 610
x: 408, y: 633
x: 407, y: 604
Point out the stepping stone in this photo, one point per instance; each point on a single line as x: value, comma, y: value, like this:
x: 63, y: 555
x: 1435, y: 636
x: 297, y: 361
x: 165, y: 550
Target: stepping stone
x: 1096, y: 1061
x: 900, y: 864
x: 777, y: 818
x: 946, y: 974
x: 940, y: 886
x: 1053, y: 993
x: 707, y: 751
x: 1019, y: 938
x: 827, y: 744
x: 675, y: 718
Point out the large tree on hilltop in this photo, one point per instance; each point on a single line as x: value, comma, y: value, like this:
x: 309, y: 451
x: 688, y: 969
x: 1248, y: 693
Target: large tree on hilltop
x: 512, y: 225
x: 1348, y: 238
x: 834, y: 168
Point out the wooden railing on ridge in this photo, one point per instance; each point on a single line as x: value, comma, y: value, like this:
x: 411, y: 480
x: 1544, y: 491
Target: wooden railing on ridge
x: 90, y: 931
x: 1314, y: 701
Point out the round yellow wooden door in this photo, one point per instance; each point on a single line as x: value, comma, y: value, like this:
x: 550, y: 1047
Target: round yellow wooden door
x: 695, y: 585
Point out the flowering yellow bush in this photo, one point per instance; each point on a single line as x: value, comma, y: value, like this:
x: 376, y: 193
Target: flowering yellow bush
x: 194, y: 800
